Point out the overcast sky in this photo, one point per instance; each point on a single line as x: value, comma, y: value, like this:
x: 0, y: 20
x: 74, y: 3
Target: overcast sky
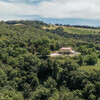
x: 75, y: 9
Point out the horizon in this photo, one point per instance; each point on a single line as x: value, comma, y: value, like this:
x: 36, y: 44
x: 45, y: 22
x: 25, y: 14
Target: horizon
x: 53, y: 21
x: 74, y: 12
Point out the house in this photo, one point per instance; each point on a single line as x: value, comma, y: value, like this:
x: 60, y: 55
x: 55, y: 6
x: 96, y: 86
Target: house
x: 66, y: 50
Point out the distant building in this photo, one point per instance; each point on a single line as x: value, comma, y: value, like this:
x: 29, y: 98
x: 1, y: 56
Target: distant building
x: 66, y: 50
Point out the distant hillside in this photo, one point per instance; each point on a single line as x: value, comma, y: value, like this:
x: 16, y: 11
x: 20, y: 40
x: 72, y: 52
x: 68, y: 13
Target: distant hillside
x: 28, y: 72
x: 75, y: 30
x: 25, y: 31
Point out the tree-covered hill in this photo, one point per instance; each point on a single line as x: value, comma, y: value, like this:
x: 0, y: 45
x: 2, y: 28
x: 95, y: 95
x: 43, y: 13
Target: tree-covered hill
x: 27, y: 72
x: 23, y: 32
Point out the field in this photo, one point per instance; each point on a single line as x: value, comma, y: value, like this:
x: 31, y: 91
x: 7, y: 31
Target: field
x: 90, y: 68
x: 75, y: 30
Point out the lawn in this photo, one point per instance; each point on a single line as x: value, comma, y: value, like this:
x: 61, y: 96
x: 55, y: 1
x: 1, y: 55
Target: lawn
x: 90, y: 68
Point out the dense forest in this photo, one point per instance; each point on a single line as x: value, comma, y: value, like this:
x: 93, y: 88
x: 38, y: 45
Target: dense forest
x: 27, y: 72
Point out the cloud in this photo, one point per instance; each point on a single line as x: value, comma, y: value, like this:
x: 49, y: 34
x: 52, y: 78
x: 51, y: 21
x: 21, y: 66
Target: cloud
x: 70, y: 9
x: 86, y: 9
x: 8, y: 9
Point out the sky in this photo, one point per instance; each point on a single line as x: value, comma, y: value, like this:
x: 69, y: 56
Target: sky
x: 77, y: 12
